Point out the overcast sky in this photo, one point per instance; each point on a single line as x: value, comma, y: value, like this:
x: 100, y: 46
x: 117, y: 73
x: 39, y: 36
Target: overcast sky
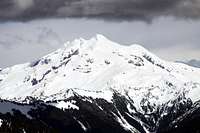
x: 30, y: 29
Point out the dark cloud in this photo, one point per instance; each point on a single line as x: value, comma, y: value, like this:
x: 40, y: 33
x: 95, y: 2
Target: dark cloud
x: 102, y: 9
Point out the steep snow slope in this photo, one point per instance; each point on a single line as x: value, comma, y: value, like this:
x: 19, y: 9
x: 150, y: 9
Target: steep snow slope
x: 96, y: 68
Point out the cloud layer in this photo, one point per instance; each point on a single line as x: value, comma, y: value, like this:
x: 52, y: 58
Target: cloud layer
x: 101, y: 9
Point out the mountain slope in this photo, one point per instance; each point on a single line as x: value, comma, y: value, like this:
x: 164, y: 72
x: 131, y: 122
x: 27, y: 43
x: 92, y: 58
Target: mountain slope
x: 126, y: 85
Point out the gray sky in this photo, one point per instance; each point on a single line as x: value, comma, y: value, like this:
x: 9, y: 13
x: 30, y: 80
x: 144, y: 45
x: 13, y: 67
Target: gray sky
x: 102, y: 9
x: 30, y: 29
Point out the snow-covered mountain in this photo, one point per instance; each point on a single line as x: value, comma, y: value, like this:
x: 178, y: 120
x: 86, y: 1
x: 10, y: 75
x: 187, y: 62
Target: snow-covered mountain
x: 99, y: 80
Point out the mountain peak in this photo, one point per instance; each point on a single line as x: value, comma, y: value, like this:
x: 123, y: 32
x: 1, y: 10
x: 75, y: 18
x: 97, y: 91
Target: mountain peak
x: 97, y: 41
x: 101, y: 42
x: 100, y: 37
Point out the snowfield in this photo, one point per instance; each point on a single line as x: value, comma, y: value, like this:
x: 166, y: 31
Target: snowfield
x: 96, y: 68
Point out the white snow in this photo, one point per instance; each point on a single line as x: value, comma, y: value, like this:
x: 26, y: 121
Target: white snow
x: 66, y: 105
x: 1, y: 122
x: 82, y: 125
x: 124, y: 123
x: 129, y: 108
x: 82, y: 65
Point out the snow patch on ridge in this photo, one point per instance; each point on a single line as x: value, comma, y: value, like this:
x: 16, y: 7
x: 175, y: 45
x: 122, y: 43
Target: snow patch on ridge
x: 1, y: 122
x: 66, y: 105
